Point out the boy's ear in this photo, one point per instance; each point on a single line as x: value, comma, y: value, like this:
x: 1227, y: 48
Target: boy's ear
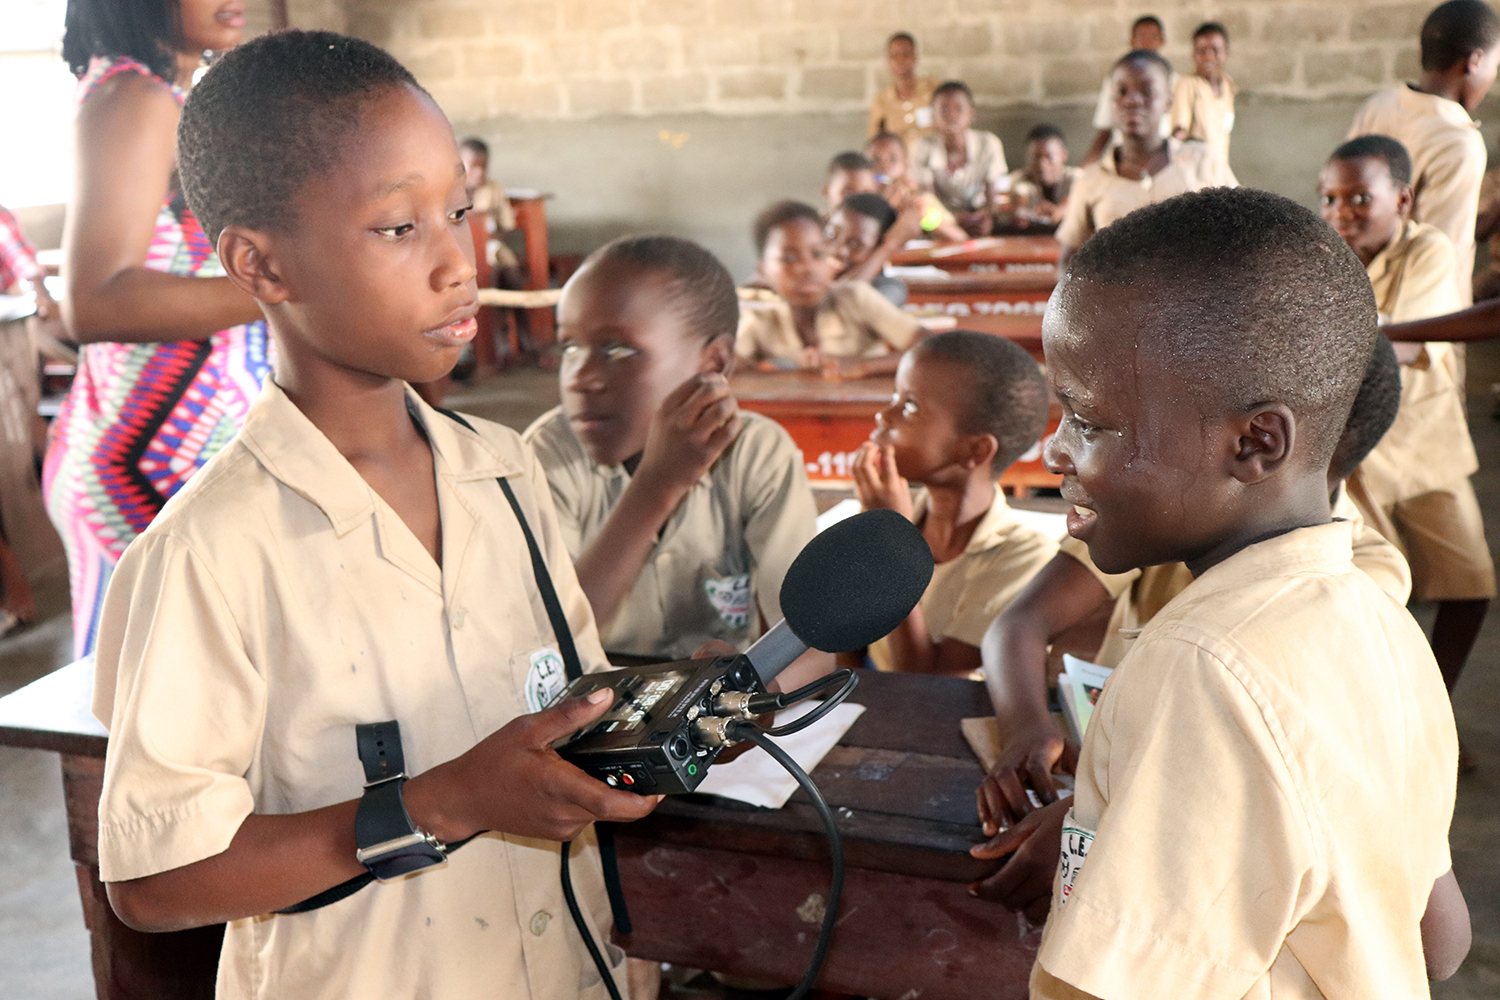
x: 982, y: 451
x: 244, y: 254
x: 1264, y: 441
x: 718, y: 356
x: 1404, y: 199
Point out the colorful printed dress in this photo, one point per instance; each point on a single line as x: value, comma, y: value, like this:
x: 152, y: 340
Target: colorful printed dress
x: 142, y: 418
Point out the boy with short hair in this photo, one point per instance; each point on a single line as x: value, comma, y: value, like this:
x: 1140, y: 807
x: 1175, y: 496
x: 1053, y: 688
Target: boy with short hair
x: 848, y: 173
x: 967, y: 405
x: 814, y: 320
x: 905, y: 107
x: 1203, y: 104
x: 1037, y: 194
x: 682, y: 511
x: 1414, y: 487
x: 349, y: 559
x: 1431, y: 118
x: 866, y: 232
x: 1226, y: 835
x: 962, y: 165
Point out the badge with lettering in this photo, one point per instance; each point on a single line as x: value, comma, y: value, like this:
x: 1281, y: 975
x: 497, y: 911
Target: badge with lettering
x: 546, y: 679
x: 731, y: 598
x: 1075, y: 848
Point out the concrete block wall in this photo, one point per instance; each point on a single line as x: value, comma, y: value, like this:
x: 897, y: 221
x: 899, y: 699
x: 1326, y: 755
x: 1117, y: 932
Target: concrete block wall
x: 577, y: 59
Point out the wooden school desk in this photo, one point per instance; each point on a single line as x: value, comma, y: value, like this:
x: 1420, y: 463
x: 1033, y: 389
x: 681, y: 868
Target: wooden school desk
x: 989, y: 253
x: 531, y: 218
x: 962, y: 294
x: 829, y: 420
x: 709, y: 883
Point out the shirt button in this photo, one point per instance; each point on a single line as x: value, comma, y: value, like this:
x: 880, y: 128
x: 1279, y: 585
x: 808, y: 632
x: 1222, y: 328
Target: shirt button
x: 457, y: 617
x: 539, y: 921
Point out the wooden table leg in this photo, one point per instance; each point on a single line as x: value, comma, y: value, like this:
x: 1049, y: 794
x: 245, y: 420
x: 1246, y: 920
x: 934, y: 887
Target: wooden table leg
x: 129, y: 965
x: 531, y: 219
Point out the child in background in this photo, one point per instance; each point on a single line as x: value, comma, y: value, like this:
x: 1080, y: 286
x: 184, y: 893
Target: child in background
x: 1145, y: 33
x: 503, y: 269
x: 1415, y: 488
x: 966, y: 406
x: 905, y: 107
x: 1460, y: 52
x: 816, y: 321
x: 349, y: 558
x: 1038, y: 193
x: 19, y: 270
x: 848, y: 173
x: 1203, y: 104
x: 1064, y: 605
x: 896, y: 185
x: 865, y: 232
x: 960, y: 164
x: 1226, y: 834
x: 682, y: 511
x: 1142, y: 168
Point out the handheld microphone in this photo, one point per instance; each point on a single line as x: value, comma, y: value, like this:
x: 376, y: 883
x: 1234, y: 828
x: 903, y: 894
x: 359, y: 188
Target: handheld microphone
x: 848, y: 587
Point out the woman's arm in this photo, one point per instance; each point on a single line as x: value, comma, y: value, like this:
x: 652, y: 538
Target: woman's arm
x: 126, y: 140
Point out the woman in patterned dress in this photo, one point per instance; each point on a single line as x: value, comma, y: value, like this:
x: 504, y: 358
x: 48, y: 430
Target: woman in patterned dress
x: 173, y: 354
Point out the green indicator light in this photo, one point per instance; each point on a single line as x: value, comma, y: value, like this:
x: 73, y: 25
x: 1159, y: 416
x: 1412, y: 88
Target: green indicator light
x: 692, y: 769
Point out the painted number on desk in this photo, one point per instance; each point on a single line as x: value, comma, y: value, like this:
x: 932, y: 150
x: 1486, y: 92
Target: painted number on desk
x: 832, y: 465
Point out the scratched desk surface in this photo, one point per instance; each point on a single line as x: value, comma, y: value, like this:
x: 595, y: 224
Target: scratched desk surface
x: 901, y: 783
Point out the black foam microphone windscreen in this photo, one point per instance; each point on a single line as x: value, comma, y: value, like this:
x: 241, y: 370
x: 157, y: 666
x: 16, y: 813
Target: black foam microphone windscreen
x: 855, y: 582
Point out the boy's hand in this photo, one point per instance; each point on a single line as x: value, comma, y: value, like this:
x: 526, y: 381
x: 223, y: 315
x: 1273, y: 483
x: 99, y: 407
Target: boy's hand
x: 810, y: 357
x: 691, y: 430
x: 514, y: 782
x: 1027, y: 759
x: 876, y: 481
x: 1024, y: 883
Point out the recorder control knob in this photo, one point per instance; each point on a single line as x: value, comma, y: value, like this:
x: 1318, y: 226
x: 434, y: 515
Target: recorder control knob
x: 679, y: 747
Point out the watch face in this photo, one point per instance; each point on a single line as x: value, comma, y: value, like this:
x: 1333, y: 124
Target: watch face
x: 405, y: 861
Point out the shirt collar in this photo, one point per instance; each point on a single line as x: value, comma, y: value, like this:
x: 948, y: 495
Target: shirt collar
x: 1392, y: 250
x: 1420, y: 102
x: 993, y: 528
x: 1321, y: 548
x: 291, y: 448
x: 1106, y: 160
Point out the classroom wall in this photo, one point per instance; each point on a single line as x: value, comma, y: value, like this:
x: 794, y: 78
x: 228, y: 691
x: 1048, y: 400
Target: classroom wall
x: 686, y: 116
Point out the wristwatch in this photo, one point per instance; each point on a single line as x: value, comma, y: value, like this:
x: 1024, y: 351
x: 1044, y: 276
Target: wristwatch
x: 389, y: 844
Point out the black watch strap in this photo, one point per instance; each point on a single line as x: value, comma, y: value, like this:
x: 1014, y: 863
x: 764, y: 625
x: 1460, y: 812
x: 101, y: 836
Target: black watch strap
x: 389, y: 843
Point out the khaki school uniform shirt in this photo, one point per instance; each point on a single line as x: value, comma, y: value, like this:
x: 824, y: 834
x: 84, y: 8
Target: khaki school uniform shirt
x: 965, y: 594
x: 277, y: 602
x: 963, y: 189
x: 854, y: 321
x: 1141, y: 593
x: 718, y: 564
x: 1428, y: 446
x: 1207, y: 116
x: 1101, y: 195
x: 909, y: 119
x: 1448, y: 160
x: 1231, y: 831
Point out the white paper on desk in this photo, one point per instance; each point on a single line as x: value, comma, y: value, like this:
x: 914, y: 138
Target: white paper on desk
x: 757, y: 779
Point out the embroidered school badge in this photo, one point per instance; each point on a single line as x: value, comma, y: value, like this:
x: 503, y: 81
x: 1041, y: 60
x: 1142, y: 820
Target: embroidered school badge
x: 1075, y: 848
x: 546, y: 679
x: 730, y: 598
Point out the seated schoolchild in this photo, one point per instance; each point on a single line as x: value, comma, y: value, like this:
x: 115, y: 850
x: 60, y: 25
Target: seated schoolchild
x: 1415, y: 487
x: 349, y: 558
x: 1141, y: 167
x: 897, y: 185
x: 848, y: 173
x: 962, y: 165
x: 1070, y: 598
x: 1037, y: 194
x: 966, y: 406
x: 815, y: 320
x: 1276, y: 707
x: 865, y: 232
x: 682, y: 511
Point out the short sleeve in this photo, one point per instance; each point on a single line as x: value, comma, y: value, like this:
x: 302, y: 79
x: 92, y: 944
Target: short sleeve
x: 185, y: 707
x: 780, y: 514
x: 920, y: 163
x: 1202, y: 858
x: 1372, y: 554
x: 997, y: 165
x: 1427, y: 287
x: 1077, y: 222
x: 1104, y: 111
x: 1448, y: 198
x: 559, y: 474
x: 1182, y: 104
x: 897, y: 329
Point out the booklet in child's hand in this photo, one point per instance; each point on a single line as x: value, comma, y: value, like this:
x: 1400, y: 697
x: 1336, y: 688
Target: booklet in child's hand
x: 1078, y: 688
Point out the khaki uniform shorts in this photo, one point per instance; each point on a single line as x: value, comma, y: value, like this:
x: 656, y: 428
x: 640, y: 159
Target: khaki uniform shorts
x: 1442, y: 535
